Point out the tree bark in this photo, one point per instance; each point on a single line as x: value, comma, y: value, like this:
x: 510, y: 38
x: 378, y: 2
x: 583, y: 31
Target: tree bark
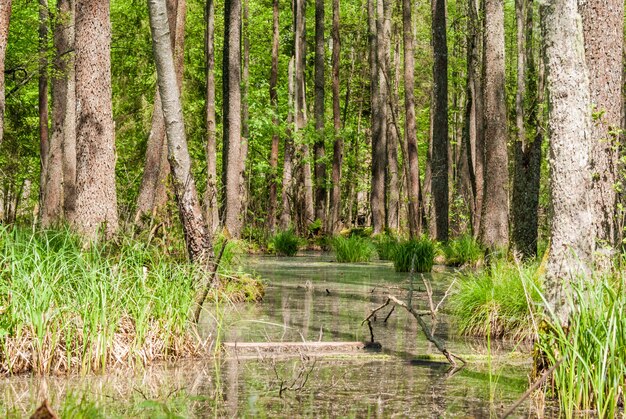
x: 477, y: 122
x: 231, y: 154
x: 570, y: 125
x: 5, y: 17
x: 44, y: 140
x: 196, y: 235
x: 272, y: 204
x: 410, y: 125
x: 319, y: 148
x: 603, y: 22
x: 288, y: 189
x: 335, y: 197
x: 439, y: 161
x: 96, y: 198
x: 494, y: 227
x: 210, y: 198
x: 60, y: 174
x: 153, y: 190
x: 245, y: 131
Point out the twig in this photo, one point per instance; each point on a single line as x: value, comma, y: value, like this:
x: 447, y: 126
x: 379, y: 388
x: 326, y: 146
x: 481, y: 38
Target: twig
x: 390, y: 313
x: 530, y: 390
x: 447, y: 293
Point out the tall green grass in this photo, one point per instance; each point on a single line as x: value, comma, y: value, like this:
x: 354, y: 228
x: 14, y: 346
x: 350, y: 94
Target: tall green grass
x: 352, y: 249
x: 68, y: 309
x: 497, y: 301
x: 386, y: 246
x: 592, y: 375
x: 415, y: 255
x: 285, y: 243
x: 464, y: 250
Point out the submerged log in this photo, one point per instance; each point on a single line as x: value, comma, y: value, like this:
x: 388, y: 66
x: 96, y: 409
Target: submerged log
x: 296, y: 348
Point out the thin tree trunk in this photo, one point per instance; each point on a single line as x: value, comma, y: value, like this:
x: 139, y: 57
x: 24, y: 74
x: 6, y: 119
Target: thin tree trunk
x: 570, y: 124
x: 210, y: 198
x: 288, y: 187
x: 271, y: 212
x: 477, y: 140
x: 335, y: 197
x: 153, y: 191
x: 318, y: 147
x: 231, y: 154
x: 44, y: 140
x: 245, y: 131
x: 494, y: 227
x: 196, y: 235
x: 96, y: 198
x: 5, y: 16
x: 410, y: 125
x: 59, y: 183
x: 603, y: 24
x: 439, y: 111
x: 393, y: 179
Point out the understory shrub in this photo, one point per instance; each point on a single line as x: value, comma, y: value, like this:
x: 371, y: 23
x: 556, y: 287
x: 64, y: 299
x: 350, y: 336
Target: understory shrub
x: 285, y: 243
x: 352, y: 249
x: 592, y: 375
x: 495, y: 301
x: 464, y: 250
x: 416, y: 255
x: 386, y: 246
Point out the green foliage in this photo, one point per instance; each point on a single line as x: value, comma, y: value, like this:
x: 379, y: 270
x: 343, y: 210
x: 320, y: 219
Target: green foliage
x: 386, y: 246
x: 495, y: 301
x: 352, y: 249
x: 592, y: 375
x: 285, y: 243
x: 415, y: 255
x: 464, y: 250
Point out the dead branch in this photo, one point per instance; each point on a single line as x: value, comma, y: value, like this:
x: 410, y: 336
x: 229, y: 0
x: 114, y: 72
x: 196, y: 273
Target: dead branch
x: 210, y: 283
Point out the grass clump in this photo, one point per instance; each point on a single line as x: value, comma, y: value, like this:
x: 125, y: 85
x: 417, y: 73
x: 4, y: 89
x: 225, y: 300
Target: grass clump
x: 386, y: 246
x: 415, y: 255
x: 495, y: 301
x: 352, y: 249
x: 285, y: 243
x: 464, y: 250
x: 592, y: 375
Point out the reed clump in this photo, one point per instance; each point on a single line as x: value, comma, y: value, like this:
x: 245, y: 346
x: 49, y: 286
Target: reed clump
x: 352, y: 249
x: 415, y: 255
x: 285, y: 243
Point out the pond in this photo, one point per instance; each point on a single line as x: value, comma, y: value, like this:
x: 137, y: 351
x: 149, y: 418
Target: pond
x: 311, y: 298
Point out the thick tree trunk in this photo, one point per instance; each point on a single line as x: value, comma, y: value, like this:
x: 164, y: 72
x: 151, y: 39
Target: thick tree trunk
x: 272, y: 204
x: 439, y: 162
x: 231, y: 154
x: 287, y: 197
x: 319, y: 149
x: 5, y: 17
x: 335, y: 196
x: 153, y: 191
x: 60, y: 175
x: 44, y: 140
x: 196, y: 235
x: 300, y: 114
x: 211, y: 208
x: 570, y: 125
x: 378, y: 115
x: 494, y: 227
x: 410, y: 125
x: 96, y: 198
x: 603, y: 24
x: 526, y: 153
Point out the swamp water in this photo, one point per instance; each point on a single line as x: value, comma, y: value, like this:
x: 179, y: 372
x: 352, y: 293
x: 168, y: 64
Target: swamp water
x: 307, y: 298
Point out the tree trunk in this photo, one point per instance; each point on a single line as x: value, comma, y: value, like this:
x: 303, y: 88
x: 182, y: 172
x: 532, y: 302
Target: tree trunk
x: 58, y: 183
x: 288, y: 189
x: 245, y: 131
x: 439, y: 162
x: 210, y: 198
x: 271, y: 212
x: 335, y: 197
x: 410, y: 128
x: 570, y: 125
x: 603, y: 23
x: 319, y: 149
x: 44, y: 145
x: 153, y: 192
x: 96, y: 199
x: 526, y: 154
x: 5, y: 16
x: 477, y: 127
x: 494, y: 227
x: 196, y: 235
x: 300, y: 115
x: 231, y: 154
x: 379, y: 138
